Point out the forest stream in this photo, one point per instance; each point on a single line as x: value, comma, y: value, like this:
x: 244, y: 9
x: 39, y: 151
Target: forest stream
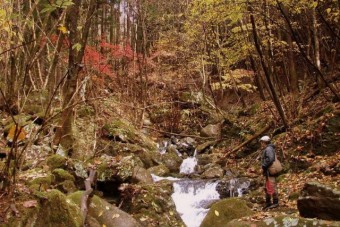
x: 157, y: 113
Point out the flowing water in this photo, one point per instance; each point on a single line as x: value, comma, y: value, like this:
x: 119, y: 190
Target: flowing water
x: 193, y: 197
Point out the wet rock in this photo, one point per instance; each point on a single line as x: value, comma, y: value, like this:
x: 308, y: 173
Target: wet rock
x: 214, y: 171
x: 104, y: 213
x: 171, y: 160
x: 141, y: 175
x: 226, y: 210
x: 151, y: 204
x: 233, y: 187
x: 211, y: 131
x: 319, y: 201
x: 160, y: 170
x: 287, y: 221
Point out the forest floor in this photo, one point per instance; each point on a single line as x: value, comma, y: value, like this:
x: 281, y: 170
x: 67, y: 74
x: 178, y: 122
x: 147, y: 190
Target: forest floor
x: 314, y: 123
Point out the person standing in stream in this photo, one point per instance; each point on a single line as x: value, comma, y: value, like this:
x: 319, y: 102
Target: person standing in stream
x: 267, y: 159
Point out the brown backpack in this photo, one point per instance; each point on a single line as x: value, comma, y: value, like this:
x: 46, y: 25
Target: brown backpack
x: 276, y: 167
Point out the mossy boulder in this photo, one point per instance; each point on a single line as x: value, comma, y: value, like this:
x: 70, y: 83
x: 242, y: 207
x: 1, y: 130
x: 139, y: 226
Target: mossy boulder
x: 148, y: 157
x: 171, y: 160
x: 226, y: 210
x: 286, y: 221
x: 62, y: 175
x: 56, y: 161
x: 151, y: 204
x: 102, y: 213
x: 42, y: 183
x: 160, y: 170
x: 122, y: 131
x: 52, y: 210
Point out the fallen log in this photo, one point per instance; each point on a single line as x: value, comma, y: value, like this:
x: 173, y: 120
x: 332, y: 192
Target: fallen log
x: 258, y: 134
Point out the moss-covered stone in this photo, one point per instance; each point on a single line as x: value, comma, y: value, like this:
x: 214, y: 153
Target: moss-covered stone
x: 151, y: 204
x: 120, y: 130
x: 226, y: 210
x: 105, y: 213
x: 67, y: 186
x: 42, y: 183
x: 160, y: 170
x: 53, y: 210
x: 56, y: 161
x: 171, y: 160
x: 62, y: 175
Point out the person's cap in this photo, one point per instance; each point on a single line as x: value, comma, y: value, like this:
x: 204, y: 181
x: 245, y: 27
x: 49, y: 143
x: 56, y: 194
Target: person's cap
x: 265, y: 138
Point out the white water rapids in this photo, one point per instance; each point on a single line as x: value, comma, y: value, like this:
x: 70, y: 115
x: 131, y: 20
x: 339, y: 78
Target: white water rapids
x: 192, y: 197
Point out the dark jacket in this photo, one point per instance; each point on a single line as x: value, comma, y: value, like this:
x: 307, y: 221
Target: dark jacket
x: 268, y: 157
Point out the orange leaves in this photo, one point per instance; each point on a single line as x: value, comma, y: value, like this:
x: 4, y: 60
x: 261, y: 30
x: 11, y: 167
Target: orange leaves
x: 13, y: 131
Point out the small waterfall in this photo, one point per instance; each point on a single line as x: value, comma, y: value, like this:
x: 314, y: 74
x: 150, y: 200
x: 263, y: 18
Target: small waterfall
x: 193, y: 198
x: 188, y: 165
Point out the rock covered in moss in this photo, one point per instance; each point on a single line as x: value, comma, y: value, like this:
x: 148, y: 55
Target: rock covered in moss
x: 151, y: 204
x: 160, y: 170
x: 56, y: 161
x: 141, y: 175
x: 122, y: 131
x: 102, y: 213
x: 53, y: 209
x: 62, y: 175
x: 171, y: 160
x: 213, y: 171
x: 226, y: 210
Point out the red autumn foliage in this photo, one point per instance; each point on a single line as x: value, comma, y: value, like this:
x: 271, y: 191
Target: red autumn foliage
x: 99, y: 61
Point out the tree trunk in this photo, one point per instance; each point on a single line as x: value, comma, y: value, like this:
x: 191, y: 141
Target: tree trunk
x: 266, y: 72
x: 64, y: 134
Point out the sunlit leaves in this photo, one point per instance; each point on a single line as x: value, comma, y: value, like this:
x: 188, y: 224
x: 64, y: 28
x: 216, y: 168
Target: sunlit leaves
x: 63, y: 4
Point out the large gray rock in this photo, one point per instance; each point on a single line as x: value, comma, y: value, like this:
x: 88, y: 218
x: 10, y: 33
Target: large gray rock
x: 319, y: 201
x: 102, y: 213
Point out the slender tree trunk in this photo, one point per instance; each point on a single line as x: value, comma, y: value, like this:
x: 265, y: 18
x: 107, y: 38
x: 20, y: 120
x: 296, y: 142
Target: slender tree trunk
x: 266, y: 72
x: 64, y: 134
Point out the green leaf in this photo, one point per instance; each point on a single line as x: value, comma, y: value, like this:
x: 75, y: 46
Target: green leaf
x: 48, y: 9
x: 76, y: 47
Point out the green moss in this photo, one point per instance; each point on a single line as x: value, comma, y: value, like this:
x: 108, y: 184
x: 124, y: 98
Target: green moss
x: 53, y: 210
x: 85, y: 111
x: 123, y: 131
x: 152, y: 204
x: 62, y: 175
x: 56, y: 161
x: 67, y: 186
x: 226, y: 210
x: 104, y: 172
x: 160, y: 170
x: 103, y: 212
x: 42, y: 183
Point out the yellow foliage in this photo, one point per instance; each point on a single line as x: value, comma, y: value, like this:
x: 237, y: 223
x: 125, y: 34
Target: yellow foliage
x: 20, y: 132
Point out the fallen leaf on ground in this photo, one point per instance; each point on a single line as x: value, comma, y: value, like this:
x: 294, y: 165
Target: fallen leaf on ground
x: 30, y: 203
